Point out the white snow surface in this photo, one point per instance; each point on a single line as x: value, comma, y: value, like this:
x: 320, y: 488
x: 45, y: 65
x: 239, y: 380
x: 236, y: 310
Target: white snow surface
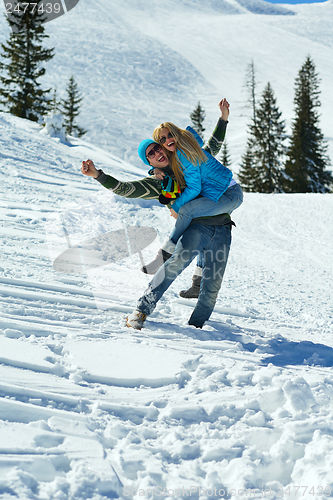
x: 90, y: 409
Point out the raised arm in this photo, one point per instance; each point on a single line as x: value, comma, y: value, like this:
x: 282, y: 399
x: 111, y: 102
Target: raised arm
x: 148, y: 188
x: 215, y: 142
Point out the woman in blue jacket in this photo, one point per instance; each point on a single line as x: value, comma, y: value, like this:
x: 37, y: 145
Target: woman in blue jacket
x: 199, y: 174
x: 208, y: 188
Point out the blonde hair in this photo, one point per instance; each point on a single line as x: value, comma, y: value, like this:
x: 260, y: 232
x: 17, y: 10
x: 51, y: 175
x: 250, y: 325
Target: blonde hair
x: 187, y: 144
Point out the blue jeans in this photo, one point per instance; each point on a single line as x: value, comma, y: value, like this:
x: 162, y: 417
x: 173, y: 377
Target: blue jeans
x: 204, y: 207
x: 214, y: 243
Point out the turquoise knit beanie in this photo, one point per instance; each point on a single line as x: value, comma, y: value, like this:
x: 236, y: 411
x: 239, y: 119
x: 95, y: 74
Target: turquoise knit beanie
x: 142, y: 149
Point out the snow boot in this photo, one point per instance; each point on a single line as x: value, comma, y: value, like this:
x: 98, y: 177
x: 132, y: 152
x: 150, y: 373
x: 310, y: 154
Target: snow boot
x: 194, y: 290
x: 136, y: 320
x: 162, y: 256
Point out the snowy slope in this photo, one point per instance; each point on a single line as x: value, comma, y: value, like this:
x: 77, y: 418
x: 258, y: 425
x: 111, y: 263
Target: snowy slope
x: 142, y: 62
x: 89, y: 409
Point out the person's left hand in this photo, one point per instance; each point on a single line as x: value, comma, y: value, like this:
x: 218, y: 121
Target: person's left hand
x: 159, y: 174
x: 224, y: 108
x: 173, y: 213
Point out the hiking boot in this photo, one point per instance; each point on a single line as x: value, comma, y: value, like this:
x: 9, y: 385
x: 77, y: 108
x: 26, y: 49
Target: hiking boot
x: 162, y: 256
x: 136, y: 320
x: 194, y: 290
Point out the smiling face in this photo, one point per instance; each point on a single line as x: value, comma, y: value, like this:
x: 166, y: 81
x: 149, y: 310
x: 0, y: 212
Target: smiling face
x: 167, y: 139
x: 159, y: 159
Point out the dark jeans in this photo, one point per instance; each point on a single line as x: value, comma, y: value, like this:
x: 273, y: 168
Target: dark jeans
x: 214, y: 243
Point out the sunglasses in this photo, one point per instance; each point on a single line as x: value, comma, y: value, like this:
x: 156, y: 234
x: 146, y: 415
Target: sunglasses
x: 163, y: 138
x: 156, y: 149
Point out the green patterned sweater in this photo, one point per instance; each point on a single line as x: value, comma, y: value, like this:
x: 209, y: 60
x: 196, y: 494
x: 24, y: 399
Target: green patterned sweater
x: 149, y: 188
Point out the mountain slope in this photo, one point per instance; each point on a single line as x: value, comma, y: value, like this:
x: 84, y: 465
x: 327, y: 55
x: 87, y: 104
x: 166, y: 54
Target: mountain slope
x: 139, y: 63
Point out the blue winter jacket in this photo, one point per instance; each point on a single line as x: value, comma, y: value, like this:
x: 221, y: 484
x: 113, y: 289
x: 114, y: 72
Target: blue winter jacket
x: 210, y: 179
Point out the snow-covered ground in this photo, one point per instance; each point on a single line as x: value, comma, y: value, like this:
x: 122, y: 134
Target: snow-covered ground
x: 91, y: 409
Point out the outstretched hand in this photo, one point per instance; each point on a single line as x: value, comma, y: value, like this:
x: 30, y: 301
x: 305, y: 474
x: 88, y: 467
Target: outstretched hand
x: 224, y: 107
x: 88, y: 168
x: 159, y: 174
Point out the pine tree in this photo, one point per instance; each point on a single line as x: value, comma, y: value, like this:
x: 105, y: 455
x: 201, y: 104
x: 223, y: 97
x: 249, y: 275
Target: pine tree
x: 251, y: 85
x: 269, y: 149
x: 248, y: 175
x: 55, y: 104
x: 225, y: 156
x: 197, y: 117
x: 261, y: 168
x: 71, y: 108
x: 20, y: 89
x: 307, y: 160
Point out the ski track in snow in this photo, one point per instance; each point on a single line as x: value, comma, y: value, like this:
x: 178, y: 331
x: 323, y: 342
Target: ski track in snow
x: 89, y: 408
x: 92, y: 410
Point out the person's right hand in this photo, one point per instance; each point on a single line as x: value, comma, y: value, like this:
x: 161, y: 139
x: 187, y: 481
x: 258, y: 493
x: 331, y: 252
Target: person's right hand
x: 173, y: 213
x: 88, y: 168
x: 159, y: 174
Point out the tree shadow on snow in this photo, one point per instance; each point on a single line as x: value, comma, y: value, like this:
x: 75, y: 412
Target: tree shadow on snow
x: 281, y: 351
x: 285, y: 352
